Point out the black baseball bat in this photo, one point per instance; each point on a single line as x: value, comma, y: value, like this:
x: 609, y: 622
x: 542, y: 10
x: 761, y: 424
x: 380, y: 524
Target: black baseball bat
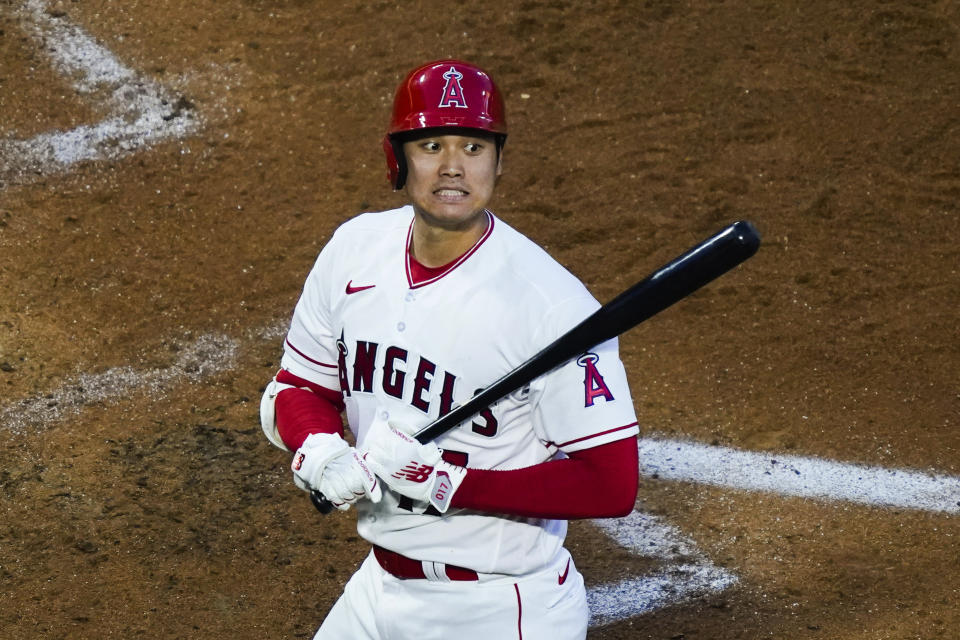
x: 670, y: 283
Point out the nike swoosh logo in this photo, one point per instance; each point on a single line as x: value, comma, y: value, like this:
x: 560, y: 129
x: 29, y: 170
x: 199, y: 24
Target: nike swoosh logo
x: 563, y: 577
x: 352, y: 289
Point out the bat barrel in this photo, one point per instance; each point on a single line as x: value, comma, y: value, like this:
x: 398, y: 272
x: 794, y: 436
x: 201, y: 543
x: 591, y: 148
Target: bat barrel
x: 681, y: 277
x: 669, y: 284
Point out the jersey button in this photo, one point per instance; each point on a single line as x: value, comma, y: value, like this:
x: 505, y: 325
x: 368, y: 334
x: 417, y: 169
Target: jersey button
x: 409, y: 297
x: 401, y: 326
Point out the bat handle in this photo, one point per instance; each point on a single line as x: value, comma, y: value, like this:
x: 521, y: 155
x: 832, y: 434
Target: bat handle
x: 323, y: 505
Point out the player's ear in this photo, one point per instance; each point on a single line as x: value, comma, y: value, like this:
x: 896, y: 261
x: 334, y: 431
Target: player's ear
x: 500, y: 141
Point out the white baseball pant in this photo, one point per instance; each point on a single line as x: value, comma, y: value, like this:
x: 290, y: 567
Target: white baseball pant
x: 547, y: 605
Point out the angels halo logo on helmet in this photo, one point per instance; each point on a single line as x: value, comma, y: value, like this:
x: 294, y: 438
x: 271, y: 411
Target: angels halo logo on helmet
x: 445, y: 93
x: 452, y: 91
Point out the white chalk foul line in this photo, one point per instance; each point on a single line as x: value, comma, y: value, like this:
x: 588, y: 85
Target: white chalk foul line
x: 141, y: 112
x: 799, y: 476
x: 208, y: 355
x: 688, y: 574
x: 611, y: 603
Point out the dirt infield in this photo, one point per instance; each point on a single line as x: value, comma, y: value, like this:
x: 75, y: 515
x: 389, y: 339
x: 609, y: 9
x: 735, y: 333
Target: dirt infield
x: 159, y: 211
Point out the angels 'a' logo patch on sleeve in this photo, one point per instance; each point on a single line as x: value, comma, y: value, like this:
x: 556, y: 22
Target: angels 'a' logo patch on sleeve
x: 593, y: 385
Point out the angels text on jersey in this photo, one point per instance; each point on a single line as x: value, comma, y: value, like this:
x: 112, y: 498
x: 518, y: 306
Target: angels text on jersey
x: 367, y: 366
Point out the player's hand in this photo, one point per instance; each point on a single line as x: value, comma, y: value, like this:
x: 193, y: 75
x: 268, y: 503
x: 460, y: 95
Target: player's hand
x: 326, y: 463
x: 410, y: 468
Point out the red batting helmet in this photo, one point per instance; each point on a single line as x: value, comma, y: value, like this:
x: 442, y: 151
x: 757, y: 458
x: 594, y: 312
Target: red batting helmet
x: 443, y: 93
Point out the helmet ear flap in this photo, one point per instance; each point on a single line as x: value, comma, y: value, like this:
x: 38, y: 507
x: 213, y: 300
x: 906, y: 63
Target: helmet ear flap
x: 396, y: 162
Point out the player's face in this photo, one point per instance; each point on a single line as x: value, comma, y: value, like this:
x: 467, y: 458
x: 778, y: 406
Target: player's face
x: 450, y: 178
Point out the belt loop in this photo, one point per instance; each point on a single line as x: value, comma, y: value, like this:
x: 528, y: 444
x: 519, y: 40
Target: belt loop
x: 435, y: 571
x: 409, y: 569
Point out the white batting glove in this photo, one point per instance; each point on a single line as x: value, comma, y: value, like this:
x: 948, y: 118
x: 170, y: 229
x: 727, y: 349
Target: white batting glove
x: 412, y: 469
x: 326, y: 463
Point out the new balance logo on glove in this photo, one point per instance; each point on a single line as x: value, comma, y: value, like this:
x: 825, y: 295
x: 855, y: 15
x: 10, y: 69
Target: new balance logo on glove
x: 414, y: 472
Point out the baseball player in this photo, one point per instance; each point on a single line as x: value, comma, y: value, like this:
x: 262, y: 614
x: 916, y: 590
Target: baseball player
x: 407, y: 313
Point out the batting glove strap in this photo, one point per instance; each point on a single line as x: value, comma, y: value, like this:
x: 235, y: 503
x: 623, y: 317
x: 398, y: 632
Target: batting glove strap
x: 446, y: 480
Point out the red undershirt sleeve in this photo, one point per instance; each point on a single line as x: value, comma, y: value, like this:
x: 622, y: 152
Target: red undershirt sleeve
x: 600, y: 482
x: 303, y: 411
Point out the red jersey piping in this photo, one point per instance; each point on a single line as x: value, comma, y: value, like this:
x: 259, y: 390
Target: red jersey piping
x: 595, y: 435
x: 516, y: 588
x: 306, y: 357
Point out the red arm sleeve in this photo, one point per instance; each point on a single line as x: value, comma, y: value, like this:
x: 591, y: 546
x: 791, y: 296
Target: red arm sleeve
x: 301, y: 412
x: 600, y: 482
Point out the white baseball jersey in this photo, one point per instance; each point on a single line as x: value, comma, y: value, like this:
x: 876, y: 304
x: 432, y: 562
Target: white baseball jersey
x: 408, y: 352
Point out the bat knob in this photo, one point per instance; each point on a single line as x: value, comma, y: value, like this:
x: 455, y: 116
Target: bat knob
x: 747, y: 235
x: 323, y: 505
